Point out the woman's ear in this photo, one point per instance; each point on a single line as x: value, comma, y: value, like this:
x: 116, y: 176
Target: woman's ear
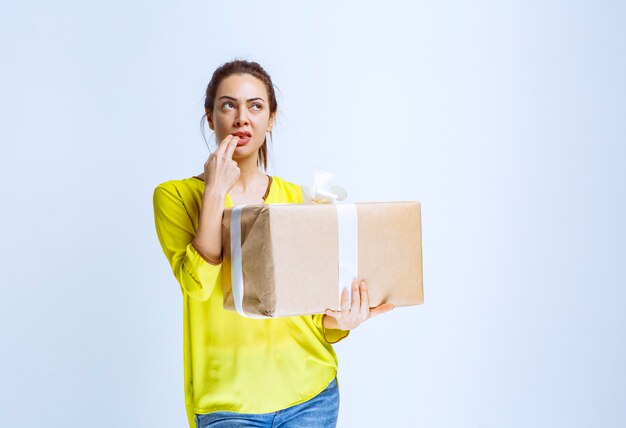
x: 270, y: 125
x: 209, y: 118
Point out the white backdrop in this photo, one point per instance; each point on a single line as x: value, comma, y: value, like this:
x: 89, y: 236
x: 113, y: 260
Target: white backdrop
x: 505, y: 119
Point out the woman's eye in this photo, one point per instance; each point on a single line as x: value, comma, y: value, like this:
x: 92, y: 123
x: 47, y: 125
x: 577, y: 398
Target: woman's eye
x: 228, y: 103
x: 257, y: 105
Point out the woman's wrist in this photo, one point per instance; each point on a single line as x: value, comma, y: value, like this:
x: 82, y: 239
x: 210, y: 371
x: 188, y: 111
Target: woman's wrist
x: 329, y: 323
x: 213, y: 195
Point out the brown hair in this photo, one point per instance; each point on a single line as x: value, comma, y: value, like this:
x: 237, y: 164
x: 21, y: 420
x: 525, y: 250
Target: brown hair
x: 242, y: 67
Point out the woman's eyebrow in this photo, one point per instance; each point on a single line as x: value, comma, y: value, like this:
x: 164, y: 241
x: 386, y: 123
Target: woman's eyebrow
x: 235, y: 99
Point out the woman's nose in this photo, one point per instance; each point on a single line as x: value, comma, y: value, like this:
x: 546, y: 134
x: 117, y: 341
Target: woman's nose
x: 241, y: 119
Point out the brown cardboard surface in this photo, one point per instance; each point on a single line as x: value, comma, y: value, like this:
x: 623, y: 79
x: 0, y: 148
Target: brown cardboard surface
x: 290, y: 256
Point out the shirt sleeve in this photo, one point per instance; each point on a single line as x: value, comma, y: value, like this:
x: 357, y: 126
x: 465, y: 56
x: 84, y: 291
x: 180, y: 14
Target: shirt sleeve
x: 330, y: 334
x: 196, y: 275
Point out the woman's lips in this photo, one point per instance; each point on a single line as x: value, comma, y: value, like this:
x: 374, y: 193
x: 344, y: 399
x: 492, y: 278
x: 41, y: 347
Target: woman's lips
x: 242, y: 141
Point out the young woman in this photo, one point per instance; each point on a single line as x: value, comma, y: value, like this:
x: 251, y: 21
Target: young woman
x: 242, y: 372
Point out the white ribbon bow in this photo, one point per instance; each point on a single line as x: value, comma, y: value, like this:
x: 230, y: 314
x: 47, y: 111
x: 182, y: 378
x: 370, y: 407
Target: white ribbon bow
x: 322, y: 192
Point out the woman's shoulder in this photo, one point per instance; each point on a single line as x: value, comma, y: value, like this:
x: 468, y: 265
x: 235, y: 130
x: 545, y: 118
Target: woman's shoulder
x: 187, y: 181
x: 181, y: 187
x: 288, y: 188
x: 283, y: 182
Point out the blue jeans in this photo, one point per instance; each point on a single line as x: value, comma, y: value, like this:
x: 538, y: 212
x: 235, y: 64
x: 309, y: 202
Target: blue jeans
x: 318, y: 412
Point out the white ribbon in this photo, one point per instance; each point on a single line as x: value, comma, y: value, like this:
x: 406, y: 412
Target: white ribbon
x: 347, y: 237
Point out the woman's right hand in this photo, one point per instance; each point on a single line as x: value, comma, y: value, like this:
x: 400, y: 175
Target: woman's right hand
x: 221, y: 172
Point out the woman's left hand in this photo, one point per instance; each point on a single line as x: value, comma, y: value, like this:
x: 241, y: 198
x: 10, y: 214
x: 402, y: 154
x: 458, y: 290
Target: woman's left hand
x: 349, y: 318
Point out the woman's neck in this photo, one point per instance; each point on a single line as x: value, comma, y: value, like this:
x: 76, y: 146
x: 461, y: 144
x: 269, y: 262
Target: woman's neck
x: 249, y: 174
x: 248, y: 179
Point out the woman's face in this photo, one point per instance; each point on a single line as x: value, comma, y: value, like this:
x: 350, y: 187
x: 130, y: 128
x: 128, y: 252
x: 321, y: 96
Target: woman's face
x: 241, y: 104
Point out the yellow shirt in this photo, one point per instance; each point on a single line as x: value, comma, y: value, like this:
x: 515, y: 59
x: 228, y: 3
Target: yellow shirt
x: 231, y: 362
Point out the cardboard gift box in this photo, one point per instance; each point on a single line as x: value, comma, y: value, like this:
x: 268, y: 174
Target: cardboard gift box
x: 294, y: 259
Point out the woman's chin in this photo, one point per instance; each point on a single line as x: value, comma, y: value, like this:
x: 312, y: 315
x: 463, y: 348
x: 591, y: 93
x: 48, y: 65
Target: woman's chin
x: 242, y: 152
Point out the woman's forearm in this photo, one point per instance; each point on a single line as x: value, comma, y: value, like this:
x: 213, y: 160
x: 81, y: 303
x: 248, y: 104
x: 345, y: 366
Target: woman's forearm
x: 208, y: 239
